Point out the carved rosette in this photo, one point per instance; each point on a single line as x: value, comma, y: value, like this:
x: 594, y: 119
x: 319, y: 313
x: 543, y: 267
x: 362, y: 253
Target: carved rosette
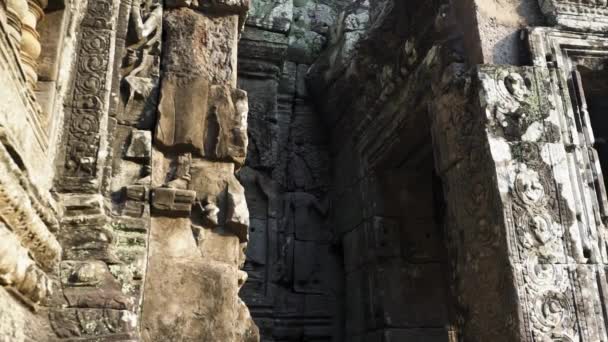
x: 549, y: 300
x: 522, y: 135
x: 538, y: 233
x: 90, y: 99
x: 514, y: 108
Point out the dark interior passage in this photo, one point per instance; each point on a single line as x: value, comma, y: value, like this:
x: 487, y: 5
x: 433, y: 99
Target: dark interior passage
x: 594, y: 79
x: 395, y: 260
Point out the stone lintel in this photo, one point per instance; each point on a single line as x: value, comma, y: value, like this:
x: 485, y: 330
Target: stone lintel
x: 588, y: 15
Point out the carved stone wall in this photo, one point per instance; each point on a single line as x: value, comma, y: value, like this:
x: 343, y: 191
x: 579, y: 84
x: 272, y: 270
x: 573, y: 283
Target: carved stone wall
x: 200, y: 220
x: 373, y: 84
x: 295, y: 283
x: 346, y: 170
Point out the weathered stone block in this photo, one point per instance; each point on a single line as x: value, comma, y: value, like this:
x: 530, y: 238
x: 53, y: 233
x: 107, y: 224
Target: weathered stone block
x: 91, y: 285
x: 140, y: 146
x: 221, y: 197
x: 93, y: 324
x: 422, y: 287
x: 355, y: 249
x: 271, y: 15
x: 207, y: 120
x: 202, y: 45
x: 173, y: 201
x: 137, y: 192
x: 177, y: 265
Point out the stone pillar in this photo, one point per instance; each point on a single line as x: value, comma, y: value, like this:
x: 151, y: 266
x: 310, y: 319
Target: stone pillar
x: 91, y: 304
x: 23, y: 17
x: 30, y: 39
x: 526, y: 256
x: 200, y: 220
x: 16, y: 10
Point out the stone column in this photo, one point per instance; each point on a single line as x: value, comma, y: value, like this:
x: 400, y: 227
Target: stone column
x: 16, y: 10
x: 200, y: 219
x: 523, y: 269
x: 91, y: 304
x: 23, y: 17
x: 30, y: 39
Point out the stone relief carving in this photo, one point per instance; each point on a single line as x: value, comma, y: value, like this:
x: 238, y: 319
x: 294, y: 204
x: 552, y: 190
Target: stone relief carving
x: 89, y: 97
x: 200, y: 141
x: 212, y: 124
x: 514, y: 107
x: 19, y: 271
x: 26, y: 216
x: 538, y: 214
x: 584, y: 15
x: 142, y: 61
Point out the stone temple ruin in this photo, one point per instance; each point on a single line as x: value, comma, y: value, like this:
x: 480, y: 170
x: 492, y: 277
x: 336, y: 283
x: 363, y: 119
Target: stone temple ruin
x: 303, y: 170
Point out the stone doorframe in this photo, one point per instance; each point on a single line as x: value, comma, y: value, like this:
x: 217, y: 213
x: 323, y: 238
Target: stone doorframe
x: 525, y: 193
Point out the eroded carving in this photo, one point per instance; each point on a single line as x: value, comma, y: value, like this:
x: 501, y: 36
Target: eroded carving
x: 584, y: 15
x: 89, y: 97
x: 19, y: 271
x: 513, y: 106
x: 208, y: 120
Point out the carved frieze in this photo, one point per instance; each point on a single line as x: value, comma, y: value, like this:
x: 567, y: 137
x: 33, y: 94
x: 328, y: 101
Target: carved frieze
x: 26, y: 216
x: 515, y: 106
x: 583, y: 15
x: 19, y: 271
x: 90, y: 98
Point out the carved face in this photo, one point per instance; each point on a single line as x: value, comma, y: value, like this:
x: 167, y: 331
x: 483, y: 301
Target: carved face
x: 529, y: 187
x: 517, y: 86
x: 541, y: 228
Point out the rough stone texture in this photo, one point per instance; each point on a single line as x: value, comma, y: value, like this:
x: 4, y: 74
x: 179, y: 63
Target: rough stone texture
x: 370, y: 182
x: 295, y: 277
x: 199, y: 227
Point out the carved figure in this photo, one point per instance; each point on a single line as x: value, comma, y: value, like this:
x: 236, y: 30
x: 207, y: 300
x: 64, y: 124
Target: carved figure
x: 517, y: 86
x: 528, y: 186
x: 143, y: 56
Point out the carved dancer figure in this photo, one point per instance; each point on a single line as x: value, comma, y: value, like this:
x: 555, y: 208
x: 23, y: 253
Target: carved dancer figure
x: 143, y: 56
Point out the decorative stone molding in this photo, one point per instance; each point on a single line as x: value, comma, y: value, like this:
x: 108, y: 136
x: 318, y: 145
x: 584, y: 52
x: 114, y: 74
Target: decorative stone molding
x: 30, y: 39
x: 84, y: 141
x: 28, y: 248
x: 25, y: 215
x: 19, y: 271
x: 582, y: 15
x: 171, y: 202
x: 16, y: 10
x: 15, y: 77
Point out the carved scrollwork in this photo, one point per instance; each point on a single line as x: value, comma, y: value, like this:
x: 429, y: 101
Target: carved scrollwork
x: 553, y: 312
x: 542, y: 276
x: 528, y: 187
x: 512, y: 89
x: 536, y: 229
x: 513, y: 106
x: 89, y: 95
